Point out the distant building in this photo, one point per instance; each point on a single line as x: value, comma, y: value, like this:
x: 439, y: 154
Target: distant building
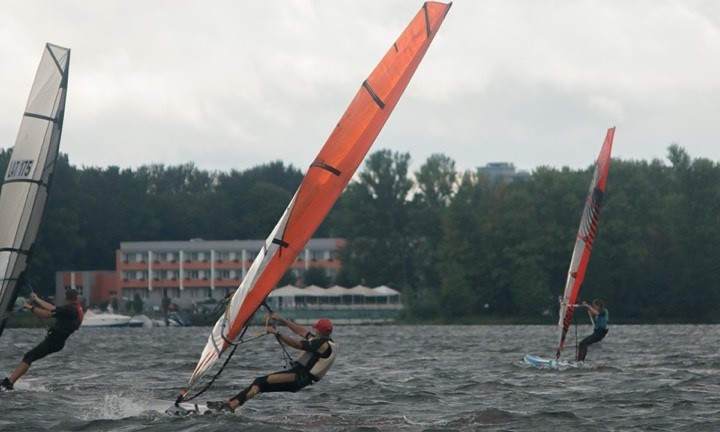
x: 188, y: 272
x: 356, y: 305
x: 95, y: 287
x: 504, y: 171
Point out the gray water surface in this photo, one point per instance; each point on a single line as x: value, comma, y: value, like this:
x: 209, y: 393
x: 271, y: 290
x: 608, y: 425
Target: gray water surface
x: 386, y: 378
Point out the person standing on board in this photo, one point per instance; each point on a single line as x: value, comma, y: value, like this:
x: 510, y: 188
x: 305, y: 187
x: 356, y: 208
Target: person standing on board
x: 68, y: 318
x: 599, y: 316
x: 317, y: 355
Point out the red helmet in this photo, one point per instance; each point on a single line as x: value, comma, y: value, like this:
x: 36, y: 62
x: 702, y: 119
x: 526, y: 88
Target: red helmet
x: 323, y: 325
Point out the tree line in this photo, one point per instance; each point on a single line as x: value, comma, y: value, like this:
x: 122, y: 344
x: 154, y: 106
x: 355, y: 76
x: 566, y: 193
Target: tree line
x: 459, y: 247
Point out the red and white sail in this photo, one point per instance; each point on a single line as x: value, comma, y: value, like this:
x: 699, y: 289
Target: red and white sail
x: 585, y: 238
x: 326, y: 178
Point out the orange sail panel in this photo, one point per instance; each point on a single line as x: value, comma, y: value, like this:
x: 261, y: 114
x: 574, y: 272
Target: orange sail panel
x: 585, y: 238
x: 326, y: 178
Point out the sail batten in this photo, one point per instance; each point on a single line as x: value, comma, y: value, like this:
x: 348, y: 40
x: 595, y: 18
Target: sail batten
x: 27, y: 180
x: 338, y: 160
x: 585, y: 239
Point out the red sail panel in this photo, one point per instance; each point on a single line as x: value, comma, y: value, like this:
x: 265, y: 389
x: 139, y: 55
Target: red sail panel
x: 585, y: 238
x: 327, y: 176
x: 345, y: 149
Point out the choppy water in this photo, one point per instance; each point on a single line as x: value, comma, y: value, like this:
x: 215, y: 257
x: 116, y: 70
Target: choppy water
x: 390, y: 378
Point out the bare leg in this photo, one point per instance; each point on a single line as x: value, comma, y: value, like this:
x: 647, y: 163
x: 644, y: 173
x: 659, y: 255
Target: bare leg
x: 19, y: 371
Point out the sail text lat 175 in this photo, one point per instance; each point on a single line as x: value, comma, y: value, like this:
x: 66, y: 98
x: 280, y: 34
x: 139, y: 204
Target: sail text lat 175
x: 29, y: 174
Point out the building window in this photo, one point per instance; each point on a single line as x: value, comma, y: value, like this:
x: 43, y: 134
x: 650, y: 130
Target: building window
x: 191, y: 274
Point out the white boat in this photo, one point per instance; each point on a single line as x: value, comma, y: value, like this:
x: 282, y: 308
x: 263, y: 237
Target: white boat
x: 93, y: 319
x: 143, y: 321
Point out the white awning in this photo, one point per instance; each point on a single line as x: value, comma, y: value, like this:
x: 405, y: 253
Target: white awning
x: 385, y: 291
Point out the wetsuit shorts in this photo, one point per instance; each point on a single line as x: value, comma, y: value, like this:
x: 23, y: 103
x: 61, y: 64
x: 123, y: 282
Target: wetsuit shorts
x: 48, y: 346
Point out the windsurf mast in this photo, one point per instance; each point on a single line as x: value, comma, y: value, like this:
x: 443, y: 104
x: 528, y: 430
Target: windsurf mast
x: 326, y: 178
x: 29, y: 174
x: 585, y: 238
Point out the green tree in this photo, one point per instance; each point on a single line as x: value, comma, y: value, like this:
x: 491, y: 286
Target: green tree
x: 374, y: 220
x: 165, y: 304
x: 316, y: 276
x: 288, y: 278
x: 137, y: 303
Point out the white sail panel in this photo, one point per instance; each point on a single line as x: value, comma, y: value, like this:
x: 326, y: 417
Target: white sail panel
x: 216, y: 343
x: 27, y: 179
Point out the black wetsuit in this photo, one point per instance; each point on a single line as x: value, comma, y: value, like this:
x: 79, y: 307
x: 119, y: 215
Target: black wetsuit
x: 67, y: 319
x: 298, y: 376
x: 599, y: 332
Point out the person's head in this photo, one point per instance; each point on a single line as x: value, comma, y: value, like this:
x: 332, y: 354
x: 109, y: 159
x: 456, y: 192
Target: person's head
x: 323, y: 326
x: 71, y: 296
x: 598, y: 304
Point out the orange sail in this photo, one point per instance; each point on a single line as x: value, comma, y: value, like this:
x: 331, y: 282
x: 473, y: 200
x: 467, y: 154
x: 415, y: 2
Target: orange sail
x: 585, y: 238
x: 326, y: 178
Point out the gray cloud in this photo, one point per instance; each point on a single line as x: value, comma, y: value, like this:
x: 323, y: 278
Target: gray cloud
x: 228, y: 84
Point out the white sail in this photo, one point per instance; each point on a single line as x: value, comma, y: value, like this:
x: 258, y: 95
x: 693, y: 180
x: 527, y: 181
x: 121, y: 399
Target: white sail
x: 29, y: 174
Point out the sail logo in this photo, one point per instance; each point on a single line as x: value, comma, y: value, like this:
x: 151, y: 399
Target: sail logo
x: 19, y: 169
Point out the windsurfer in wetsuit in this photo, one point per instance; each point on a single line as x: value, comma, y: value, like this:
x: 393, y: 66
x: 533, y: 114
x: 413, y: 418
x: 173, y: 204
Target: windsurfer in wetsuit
x: 600, y: 317
x: 317, y: 355
x: 68, y: 318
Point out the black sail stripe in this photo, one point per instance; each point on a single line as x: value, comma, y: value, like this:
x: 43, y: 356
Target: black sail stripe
x: 326, y: 167
x: 427, y: 20
x: 16, y: 250
x: 375, y: 97
x: 40, y: 116
x: 280, y: 242
x: 37, y: 182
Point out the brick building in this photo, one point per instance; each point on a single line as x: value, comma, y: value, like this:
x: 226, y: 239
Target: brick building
x: 185, y: 271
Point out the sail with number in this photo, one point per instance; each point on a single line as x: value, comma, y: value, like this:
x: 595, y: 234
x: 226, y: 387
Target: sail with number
x: 585, y: 238
x: 29, y: 174
x: 326, y: 178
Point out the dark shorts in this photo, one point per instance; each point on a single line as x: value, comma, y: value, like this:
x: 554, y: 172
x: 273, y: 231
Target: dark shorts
x: 48, y: 346
x: 302, y: 380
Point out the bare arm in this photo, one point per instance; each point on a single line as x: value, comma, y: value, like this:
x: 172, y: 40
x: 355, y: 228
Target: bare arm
x: 298, y: 329
x: 43, y: 313
x: 287, y: 340
x: 594, y: 312
x: 42, y: 303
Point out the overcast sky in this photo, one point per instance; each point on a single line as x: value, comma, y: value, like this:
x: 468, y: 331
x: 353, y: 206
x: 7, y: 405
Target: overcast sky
x: 233, y: 84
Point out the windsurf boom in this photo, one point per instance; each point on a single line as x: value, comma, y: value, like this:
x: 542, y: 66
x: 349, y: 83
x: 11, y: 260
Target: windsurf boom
x: 585, y: 238
x: 29, y: 174
x: 326, y: 178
